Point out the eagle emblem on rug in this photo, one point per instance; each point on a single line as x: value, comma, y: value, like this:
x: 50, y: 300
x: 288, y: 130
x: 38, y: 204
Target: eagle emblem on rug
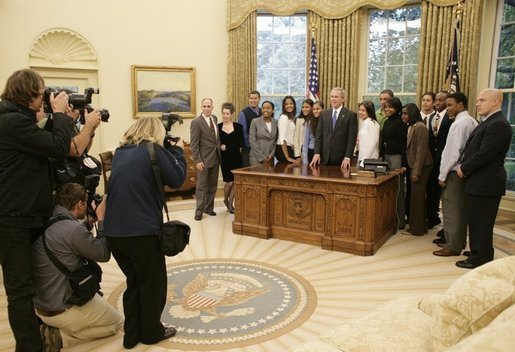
x: 214, y: 296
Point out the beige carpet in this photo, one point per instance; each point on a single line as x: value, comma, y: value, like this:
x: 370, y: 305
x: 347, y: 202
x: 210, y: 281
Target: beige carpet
x: 346, y: 285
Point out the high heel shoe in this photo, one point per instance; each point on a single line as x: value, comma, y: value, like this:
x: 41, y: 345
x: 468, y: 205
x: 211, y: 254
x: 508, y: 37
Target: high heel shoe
x: 229, y: 208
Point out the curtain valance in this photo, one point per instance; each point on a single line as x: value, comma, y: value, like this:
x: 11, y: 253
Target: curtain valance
x: 238, y: 10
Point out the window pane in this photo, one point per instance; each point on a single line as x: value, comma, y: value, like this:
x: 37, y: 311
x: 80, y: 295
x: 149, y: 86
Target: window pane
x: 264, y: 80
x: 281, y: 31
x: 377, y: 52
x: 280, y: 82
x: 507, y: 42
x: 297, y: 82
x: 413, y: 18
x: 412, y: 49
x: 375, y: 79
x: 264, y: 29
x: 394, y: 78
x: 297, y: 55
x: 378, y: 24
x: 281, y: 55
x: 397, y: 23
x: 509, y: 11
x: 395, y: 54
x: 298, y: 29
x: 410, y: 78
x: 504, y: 76
x: 264, y: 55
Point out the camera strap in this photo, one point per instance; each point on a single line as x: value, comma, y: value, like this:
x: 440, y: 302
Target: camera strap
x: 157, y: 175
x: 63, y: 269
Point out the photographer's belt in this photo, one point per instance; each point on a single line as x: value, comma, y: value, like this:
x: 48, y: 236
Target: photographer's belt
x: 50, y: 314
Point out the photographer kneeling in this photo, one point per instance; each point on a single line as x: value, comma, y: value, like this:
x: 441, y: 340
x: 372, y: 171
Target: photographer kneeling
x: 70, y: 242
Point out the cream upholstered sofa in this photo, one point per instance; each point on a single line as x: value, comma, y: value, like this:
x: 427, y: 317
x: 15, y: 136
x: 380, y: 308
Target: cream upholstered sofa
x: 476, y: 313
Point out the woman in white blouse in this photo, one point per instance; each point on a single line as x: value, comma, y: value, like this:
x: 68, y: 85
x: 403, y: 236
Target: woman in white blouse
x: 286, y: 126
x: 368, y: 135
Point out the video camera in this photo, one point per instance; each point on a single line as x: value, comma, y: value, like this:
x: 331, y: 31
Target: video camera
x: 79, y: 101
x: 168, y: 119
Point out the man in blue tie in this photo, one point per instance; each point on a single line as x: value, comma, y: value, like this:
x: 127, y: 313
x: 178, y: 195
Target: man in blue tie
x: 335, y: 138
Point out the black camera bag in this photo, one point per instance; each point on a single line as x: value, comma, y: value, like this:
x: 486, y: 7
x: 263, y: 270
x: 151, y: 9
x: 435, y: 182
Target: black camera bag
x: 85, y: 281
x: 175, y: 235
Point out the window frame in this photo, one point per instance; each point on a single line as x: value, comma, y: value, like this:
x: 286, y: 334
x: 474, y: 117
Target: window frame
x: 366, y: 95
x: 493, y: 71
x: 276, y: 97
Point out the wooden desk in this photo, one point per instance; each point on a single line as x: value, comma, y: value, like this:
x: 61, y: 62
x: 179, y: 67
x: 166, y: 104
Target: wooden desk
x: 354, y: 215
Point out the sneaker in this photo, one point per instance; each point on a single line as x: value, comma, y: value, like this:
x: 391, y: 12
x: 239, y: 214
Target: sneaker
x: 52, y: 340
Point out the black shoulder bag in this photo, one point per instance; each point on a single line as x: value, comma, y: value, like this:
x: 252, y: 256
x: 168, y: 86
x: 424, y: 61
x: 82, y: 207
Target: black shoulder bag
x: 175, y: 235
x: 85, y: 281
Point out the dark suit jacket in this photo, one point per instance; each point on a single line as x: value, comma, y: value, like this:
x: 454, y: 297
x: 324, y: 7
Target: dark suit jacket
x: 437, y: 143
x: 417, y: 150
x: 483, y: 157
x: 334, y: 146
x: 204, y: 146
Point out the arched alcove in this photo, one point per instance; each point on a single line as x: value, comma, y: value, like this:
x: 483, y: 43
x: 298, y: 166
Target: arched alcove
x: 62, y: 48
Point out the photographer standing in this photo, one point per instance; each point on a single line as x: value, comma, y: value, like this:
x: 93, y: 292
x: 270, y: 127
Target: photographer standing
x: 132, y: 226
x: 26, y: 200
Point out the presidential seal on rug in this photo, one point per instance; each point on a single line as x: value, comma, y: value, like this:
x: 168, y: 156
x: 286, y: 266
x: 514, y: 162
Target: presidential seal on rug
x: 226, y: 303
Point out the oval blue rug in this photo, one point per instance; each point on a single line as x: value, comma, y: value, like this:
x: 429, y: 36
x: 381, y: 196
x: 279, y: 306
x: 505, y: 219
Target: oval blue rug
x: 217, y: 304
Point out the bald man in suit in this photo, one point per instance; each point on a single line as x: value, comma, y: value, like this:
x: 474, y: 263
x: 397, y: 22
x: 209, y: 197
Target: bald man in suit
x: 482, y: 167
x: 205, y: 149
x: 336, y: 134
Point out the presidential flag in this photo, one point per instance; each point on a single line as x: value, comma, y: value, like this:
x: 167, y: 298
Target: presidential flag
x: 453, y: 79
x: 314, y: 92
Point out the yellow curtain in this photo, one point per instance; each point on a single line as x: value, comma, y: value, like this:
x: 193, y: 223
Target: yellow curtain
x: 435, y: 45
x: 241, y: 62
x: 238, y: 10
x: 337, y: 53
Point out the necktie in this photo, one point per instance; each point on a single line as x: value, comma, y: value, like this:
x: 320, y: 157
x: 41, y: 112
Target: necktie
x: 212, y: 126
x: 334, y: 118
x: 436, y: 122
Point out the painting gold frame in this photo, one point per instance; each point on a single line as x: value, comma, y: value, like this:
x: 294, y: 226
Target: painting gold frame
x: 158, y: 89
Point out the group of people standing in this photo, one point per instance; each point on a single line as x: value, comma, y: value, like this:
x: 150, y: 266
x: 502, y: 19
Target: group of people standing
x: 446, y: 156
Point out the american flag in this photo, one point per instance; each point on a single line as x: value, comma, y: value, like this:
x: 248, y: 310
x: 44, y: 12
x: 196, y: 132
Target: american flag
x: 314, y: 92
x: 453, y: 80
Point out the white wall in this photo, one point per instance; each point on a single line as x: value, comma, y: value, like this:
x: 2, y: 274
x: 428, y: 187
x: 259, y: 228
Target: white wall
x: 125, y: 33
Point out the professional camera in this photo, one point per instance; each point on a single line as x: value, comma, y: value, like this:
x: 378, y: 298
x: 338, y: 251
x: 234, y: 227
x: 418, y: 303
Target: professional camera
x: 168, y: 119
x: 79, y: 101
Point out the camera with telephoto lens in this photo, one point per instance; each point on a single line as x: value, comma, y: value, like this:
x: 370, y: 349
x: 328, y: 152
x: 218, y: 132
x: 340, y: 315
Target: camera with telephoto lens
x: 79, y: 101
x: 168, y: 119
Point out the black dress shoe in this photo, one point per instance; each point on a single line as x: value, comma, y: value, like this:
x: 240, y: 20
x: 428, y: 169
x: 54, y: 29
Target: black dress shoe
x: 198, y: 217
x: 212, y: 213
x: 467, y: 253
x: 169, y: 332
x: 439, y: 240
x: 465, y: 264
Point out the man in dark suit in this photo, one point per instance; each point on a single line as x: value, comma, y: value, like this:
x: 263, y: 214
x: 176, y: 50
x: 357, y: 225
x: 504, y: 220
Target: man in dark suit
x: 439, y: 124
x: 205, y: 149
x: 337, y: 129
x: 482, y: 167
x: 245, y: 117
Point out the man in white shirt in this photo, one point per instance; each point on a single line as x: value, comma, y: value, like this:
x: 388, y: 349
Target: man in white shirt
x: 453, y: 194
x: 427, y: 107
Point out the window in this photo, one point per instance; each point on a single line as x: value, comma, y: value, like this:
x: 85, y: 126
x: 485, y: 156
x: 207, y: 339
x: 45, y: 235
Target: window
x: 281, y: 58
x: 393, y: 51
x: 504, y: 73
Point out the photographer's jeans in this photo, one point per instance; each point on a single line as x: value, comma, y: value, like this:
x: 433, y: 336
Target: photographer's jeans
x: 16, y: 261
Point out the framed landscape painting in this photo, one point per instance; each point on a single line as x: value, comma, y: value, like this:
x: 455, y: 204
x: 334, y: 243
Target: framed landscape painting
x: 158, y: 89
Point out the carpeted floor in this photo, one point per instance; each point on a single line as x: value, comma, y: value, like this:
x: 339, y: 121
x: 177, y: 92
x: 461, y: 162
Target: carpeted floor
x: 344, y: 286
